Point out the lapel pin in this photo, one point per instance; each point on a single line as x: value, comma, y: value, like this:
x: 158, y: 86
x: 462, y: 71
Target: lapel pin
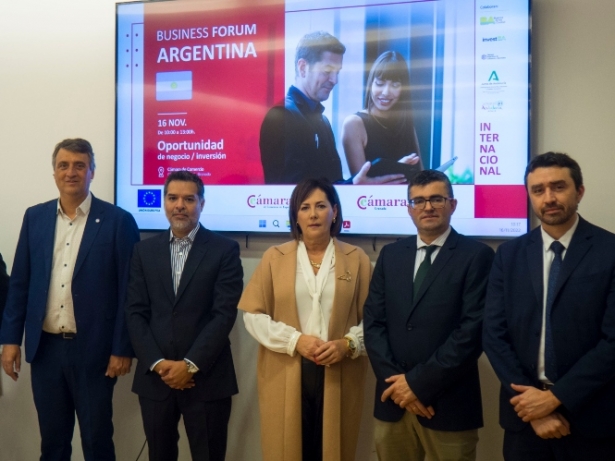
x: 346, y: 277
x: 97, y: 220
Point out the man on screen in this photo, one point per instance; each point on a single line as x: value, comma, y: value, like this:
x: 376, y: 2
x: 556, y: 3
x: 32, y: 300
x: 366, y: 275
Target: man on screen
x: 549, y: 327
x: 296, y: 139
x: 67, y: 290
x: 423, y: 320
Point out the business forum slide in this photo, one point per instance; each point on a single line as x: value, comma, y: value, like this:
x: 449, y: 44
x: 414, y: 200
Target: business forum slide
x: 196, y: 80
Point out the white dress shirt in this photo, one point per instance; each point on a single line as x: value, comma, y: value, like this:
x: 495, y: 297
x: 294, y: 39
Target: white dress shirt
x: 60, y: 316
x: 420, y: 245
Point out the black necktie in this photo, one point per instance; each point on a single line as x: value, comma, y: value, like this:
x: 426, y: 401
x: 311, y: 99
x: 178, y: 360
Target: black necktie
x: 550, y: 358
x: 421, y: 273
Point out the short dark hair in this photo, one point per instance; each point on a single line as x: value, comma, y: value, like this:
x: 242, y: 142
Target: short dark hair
x: 76, y: 146
x: 556, y: 159
x: 313, y: 45
x: 301, y: 192
x: 427, y: 177
x: 186, y: 176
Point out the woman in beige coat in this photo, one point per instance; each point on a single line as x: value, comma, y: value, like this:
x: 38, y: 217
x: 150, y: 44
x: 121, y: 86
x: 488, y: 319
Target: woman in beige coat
x: 304, y: 305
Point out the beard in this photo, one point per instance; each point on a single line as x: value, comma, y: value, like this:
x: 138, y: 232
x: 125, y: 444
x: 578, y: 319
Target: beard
x: 566, y: 213
x: 182, y: 225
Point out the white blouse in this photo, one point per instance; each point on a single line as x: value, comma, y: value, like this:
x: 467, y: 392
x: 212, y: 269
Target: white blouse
x: 280, y: 337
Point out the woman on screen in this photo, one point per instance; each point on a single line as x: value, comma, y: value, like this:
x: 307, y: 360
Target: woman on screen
x: 304, y: 305
x: 384, y: 128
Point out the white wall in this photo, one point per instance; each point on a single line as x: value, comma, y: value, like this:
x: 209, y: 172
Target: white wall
x: 57, y: 81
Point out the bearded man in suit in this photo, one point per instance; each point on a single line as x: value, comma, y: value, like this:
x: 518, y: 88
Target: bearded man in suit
x: 185, y: 284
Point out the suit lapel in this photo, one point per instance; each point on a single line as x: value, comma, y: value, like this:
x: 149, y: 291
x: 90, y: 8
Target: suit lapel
x: 579, y: 246
x: 94, y: 222
x: 196, y: 255
x: 48, y: 237
x: 444, y: 255
x: 283, y: 276
x: 346, y: 273
x: 535, y: 262
x: 406, y: 272
x: 164, y: 264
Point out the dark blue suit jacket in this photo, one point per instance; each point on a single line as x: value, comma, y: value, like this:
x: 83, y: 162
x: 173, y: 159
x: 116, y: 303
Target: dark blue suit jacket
x: 4, y: 287
x: 435, y: 339
x: 583, y: 324
x: 98, y: 287
x: 194, y: 324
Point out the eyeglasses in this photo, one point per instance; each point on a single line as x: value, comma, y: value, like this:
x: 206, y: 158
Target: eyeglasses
x: 437, y: 201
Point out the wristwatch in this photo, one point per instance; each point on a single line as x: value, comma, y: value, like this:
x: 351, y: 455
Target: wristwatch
x: 351, y: 345
x: 191, y: 367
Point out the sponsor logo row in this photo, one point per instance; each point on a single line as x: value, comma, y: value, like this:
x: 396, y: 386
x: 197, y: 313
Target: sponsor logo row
x: 152, y: 198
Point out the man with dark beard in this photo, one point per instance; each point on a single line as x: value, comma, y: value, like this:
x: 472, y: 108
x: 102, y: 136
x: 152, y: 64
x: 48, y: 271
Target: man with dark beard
x: 549, y: 328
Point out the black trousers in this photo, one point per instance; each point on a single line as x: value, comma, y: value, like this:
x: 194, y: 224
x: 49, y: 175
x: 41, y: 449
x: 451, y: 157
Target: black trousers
x: 312, y: 397
x: 206, y: 426
x: 527, y: 446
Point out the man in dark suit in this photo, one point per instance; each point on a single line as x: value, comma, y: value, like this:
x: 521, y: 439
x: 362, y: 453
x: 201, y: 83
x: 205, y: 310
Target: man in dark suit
x: 67, y: 290
x: 550, y: 325
x: 423, y: 319
x: 4, y: 286
x: 182, y: 303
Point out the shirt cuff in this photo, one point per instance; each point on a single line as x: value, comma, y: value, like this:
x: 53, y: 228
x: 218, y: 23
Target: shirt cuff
x: 291, y: 349
x: 154, y: 365
x: 191, y: 363
x: 355, y: 339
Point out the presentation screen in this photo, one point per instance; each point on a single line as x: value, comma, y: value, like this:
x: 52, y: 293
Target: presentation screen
x: 255, y: 96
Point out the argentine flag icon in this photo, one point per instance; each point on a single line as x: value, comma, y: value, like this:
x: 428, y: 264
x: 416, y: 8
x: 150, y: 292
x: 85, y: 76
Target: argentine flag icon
x: 173, y: 86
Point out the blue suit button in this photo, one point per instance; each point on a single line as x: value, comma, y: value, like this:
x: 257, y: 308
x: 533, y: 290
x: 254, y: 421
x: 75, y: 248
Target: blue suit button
x: 409, y: 326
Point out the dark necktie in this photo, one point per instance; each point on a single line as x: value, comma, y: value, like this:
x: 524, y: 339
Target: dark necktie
x: 550, y: 358
x: 421, y: 273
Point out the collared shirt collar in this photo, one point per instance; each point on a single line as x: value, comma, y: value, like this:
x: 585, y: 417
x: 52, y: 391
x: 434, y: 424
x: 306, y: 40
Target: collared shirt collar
x: 82, y: 209
x: 437, y: 242
x: 565, y: 239
x: 313, y: 106
x: 190, y: 236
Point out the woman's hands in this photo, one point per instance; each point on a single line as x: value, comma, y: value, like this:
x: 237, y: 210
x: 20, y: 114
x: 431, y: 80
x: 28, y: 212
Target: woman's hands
x: 331, y: 352
x: 411, y: 159
x: 320, y: 352
x: 308, y: 345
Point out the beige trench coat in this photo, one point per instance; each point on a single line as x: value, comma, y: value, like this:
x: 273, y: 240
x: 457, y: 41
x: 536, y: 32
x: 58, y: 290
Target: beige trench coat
x: 271, y: 291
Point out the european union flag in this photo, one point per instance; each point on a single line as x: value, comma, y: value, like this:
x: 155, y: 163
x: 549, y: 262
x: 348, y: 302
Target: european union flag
x: 149, y: 198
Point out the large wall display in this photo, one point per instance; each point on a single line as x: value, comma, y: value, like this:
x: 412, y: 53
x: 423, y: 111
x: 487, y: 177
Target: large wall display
x: 196, y: 82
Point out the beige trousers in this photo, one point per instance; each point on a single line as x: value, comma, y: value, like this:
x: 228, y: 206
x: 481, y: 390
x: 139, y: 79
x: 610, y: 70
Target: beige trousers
x: 408, y: 440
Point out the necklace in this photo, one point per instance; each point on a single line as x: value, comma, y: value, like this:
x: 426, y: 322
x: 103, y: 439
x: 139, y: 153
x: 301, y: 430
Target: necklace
x: 379, y: 122
x: 316, y: 265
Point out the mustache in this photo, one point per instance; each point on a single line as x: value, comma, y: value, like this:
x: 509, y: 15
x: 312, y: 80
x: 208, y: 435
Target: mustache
x: 550, y: 208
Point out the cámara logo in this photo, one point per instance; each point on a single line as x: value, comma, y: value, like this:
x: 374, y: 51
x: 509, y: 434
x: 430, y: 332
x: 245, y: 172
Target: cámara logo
x: 364, y: 202
x: 267, y: 202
